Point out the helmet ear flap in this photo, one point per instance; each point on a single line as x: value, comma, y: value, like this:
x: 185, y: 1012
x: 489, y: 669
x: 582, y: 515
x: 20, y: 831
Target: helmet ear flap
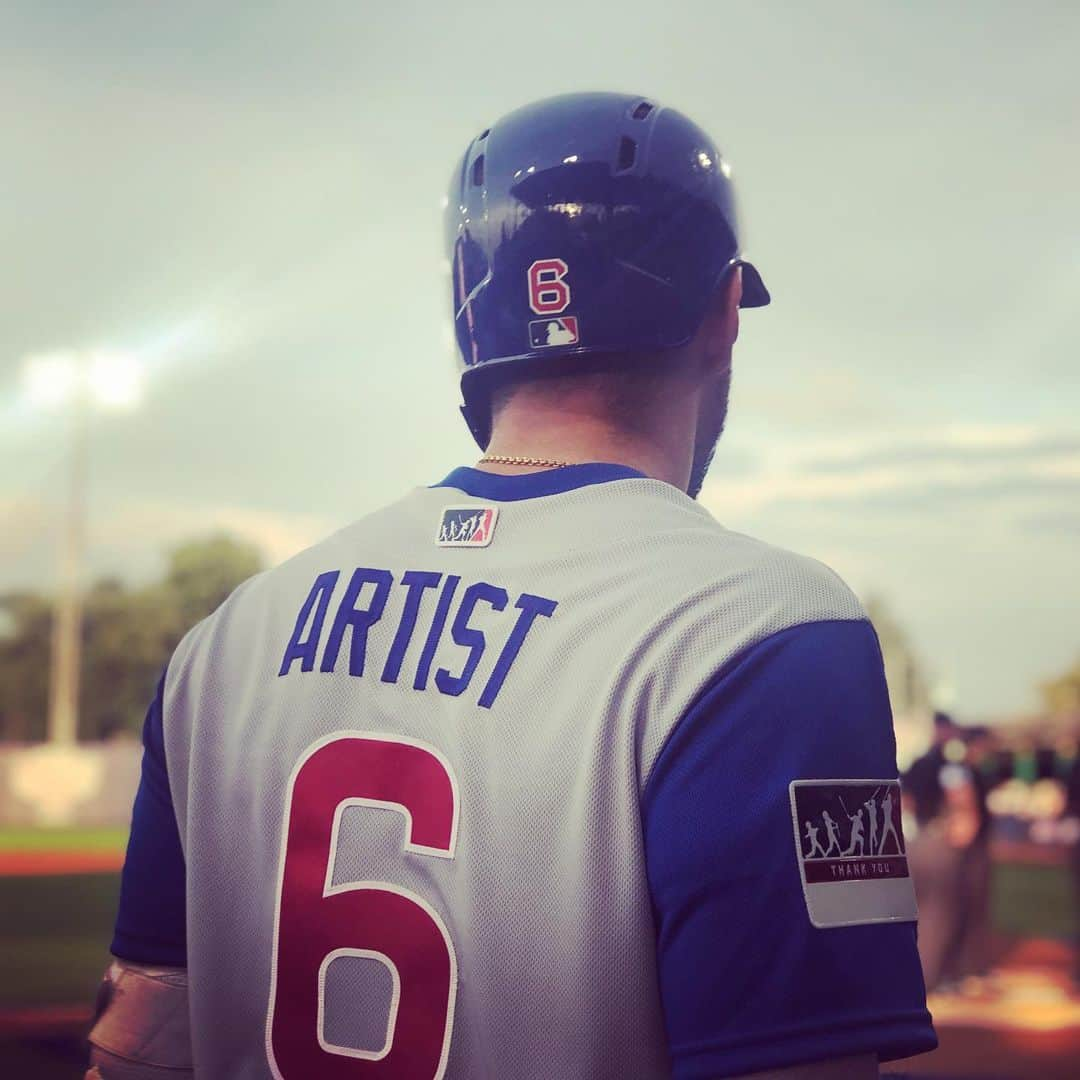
x: 754, y: 293
x: 478, y: 387
x: 478, y: 420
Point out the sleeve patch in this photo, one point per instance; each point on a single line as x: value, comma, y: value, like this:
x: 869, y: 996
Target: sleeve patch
x: 849, y: 843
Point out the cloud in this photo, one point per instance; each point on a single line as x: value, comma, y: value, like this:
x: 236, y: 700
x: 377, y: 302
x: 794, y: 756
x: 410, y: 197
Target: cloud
x: 979, y: 448
x: 1063, y: 522
x: 926, y: 468
x: 129, y: 539
x: 154, y: 525
x: 26, y: 522
x: 779, y: 386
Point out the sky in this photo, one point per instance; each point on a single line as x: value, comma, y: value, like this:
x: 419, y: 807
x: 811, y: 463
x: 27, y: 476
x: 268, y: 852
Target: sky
x: 248, y: 198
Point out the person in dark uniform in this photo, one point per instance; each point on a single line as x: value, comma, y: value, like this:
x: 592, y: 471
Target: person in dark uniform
x: 922, y: 781
x: 971, y: 956
x: 934, y: 864
x: 1071, y: 772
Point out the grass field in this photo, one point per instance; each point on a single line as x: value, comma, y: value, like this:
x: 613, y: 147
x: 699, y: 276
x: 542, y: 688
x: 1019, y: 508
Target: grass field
x: 1034, y: 901
x: 55, y: 931
x: 34, y: 839
x: 54, y: 937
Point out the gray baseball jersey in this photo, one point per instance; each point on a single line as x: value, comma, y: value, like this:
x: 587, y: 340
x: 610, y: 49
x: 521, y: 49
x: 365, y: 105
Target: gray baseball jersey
x: 508, y: 779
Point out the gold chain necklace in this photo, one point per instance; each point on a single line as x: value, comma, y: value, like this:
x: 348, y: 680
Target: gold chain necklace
x: 539, y: 463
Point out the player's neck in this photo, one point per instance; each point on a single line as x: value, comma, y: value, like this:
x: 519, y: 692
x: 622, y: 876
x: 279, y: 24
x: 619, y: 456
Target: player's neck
x: 663, y: 453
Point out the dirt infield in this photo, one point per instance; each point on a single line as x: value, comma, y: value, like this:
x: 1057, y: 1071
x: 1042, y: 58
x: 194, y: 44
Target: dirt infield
x: 65, y: 1020
x: 49, y: 863
x: 1022, y: 1023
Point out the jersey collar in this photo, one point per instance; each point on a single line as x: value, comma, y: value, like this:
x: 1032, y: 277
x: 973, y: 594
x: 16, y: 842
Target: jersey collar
x: 498, y: 488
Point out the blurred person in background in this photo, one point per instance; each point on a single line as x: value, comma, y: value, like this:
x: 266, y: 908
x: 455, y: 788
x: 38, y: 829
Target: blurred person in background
x: 1069, y: 764
x: 922, y: 781
x: 935, y: 863
x: 970, y: 814
x: 950, y: 855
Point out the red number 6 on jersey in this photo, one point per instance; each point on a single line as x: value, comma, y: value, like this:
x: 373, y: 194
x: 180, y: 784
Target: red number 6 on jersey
x: 548, y: 292
x: 317, y: 921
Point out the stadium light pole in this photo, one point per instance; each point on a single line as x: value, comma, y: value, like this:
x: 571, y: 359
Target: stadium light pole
x: 79, y: 380
x: 66, y: 656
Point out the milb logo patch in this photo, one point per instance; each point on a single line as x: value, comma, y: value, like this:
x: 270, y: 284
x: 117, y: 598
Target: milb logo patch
x: 849, y: 842
x: 556, y: 331
x: 466, y: 526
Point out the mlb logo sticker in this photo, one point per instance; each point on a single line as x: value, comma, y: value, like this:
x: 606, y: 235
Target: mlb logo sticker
x: 560, y: 331
x: 849, y: 842
x: 467, y: 526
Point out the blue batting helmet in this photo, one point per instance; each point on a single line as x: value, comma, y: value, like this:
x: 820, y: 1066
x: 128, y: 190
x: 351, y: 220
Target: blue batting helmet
x: 584, y: 224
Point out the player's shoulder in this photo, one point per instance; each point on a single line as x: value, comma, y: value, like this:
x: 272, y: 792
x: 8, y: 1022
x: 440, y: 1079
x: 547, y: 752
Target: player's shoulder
x: 739, y: 591
x: 722, y: 598
x: 802, y: 587
x: 733, y: 573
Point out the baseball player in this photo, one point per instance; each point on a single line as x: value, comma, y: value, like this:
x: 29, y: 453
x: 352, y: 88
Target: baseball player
x: 504, y: 779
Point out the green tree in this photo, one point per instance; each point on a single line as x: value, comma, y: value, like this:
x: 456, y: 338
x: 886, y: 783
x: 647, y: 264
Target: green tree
x: 24, y: 665
x: 128, y: 636
x: 908, y: 688
x: 203, y: 572
x: 1061, y: 695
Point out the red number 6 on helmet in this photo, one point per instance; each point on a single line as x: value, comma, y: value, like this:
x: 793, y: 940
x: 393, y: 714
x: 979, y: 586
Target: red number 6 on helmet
x: 548, y: 292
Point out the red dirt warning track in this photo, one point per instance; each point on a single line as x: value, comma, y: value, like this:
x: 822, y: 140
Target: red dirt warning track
x: 44, y: 1021
x: 42, y: 863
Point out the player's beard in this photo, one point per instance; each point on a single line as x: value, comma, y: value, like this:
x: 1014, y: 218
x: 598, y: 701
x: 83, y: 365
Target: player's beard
x: 710, y: 428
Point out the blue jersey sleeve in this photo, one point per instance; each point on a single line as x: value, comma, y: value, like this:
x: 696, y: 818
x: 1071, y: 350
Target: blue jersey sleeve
x: 150, y: 924
x: 747, y: 981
